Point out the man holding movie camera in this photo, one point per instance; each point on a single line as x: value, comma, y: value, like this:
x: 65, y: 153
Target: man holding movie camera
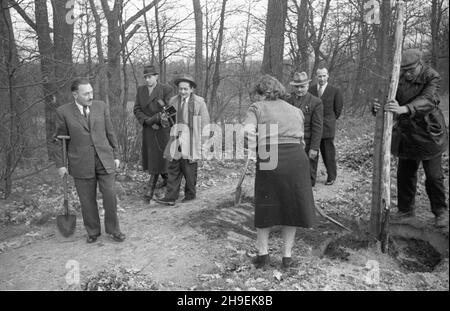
x: 152, y: 112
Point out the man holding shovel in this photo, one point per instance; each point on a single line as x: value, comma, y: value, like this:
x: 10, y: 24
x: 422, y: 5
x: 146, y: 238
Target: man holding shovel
x: 92, y: 157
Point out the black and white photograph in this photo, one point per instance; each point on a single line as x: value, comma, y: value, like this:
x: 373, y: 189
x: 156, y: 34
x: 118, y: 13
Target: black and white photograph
x: 224, y: 153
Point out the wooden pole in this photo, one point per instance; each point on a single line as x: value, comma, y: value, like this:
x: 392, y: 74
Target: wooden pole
x: 380, y: 225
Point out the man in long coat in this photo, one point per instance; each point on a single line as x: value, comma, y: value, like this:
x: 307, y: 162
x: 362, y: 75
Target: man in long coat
x: 148, y: 109
x: 332, y: 107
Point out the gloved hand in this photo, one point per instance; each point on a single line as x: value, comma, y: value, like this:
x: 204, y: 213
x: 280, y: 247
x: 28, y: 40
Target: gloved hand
x: 155, y: 119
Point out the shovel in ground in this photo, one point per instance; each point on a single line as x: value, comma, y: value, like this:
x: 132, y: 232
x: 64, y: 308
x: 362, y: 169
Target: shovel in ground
x: 238, y: 192
x: 66, y: 222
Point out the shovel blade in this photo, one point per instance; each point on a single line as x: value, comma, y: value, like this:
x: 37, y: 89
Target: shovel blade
x: 66, y: 224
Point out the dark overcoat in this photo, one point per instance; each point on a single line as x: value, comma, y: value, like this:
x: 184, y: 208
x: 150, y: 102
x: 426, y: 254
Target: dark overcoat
x: 312, y: 109
x: 420, y: 134
x: 332, y: 107
x: 153, y: 140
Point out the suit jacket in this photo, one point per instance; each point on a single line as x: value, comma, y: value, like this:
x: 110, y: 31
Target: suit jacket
x: 190, y: 134
x: 332, y: 108
x: 86, y: 139
x: 312, y: 109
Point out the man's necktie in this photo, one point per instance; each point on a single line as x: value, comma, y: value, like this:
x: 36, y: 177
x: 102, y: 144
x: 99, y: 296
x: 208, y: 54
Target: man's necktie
x: 85, y: 112
x: 320, y: 91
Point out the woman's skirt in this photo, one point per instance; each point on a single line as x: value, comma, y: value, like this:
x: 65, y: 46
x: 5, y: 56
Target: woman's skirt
x: 283, y: 195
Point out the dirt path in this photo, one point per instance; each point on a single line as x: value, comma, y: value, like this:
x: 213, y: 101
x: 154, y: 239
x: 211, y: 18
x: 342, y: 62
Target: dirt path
x: 157, y: 244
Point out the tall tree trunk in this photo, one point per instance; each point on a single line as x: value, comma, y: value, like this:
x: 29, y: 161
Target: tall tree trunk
x: 198, y: 15
x: 45, y: 45
x: 319, y: 37
x: 113, y: 65
x: 302, y: 36
x: 244, y: 79
x: 62, y: 39
x: 361, y: 63
x: 274, y: 39
x: 101, y: 75
x: 12, y: 139
x: 161, y: 56
x: 436, y: 6
x: 216, y: 76
x: 149, y: 37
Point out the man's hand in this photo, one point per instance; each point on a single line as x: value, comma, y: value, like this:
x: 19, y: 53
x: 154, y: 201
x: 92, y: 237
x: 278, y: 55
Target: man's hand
x: 313, y: 154
x: 62, y: 171
x: 391, y: 106
x: 394, y: 107
x: 375, y: 106
x: 117, y: 163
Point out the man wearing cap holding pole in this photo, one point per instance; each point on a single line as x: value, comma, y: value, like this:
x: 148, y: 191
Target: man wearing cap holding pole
x: 419, y: 135
x: 184, y: 147
x: 155, y: 131
x: 312, y: 109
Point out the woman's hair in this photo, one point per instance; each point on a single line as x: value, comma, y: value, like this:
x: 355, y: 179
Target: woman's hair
x: 270, y: 87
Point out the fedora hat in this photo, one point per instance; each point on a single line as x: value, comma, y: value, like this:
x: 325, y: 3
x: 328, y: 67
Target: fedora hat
x: 300, y: 78
x: 185, y: 78
x: 150, y: 70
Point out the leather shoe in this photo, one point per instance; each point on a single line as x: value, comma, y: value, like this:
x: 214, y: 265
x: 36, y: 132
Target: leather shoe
x: 330, y: 182
x: 92, y: 238
x: 442, y: 220
x: 118, y: 237
x: 166, y: 201
x: 403, y: 215
x: 287, y: 262
x: 260, y: 261
x: 187, y: 199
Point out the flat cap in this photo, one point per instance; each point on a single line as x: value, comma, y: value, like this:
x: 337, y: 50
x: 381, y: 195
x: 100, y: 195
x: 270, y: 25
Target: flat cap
x: 410, y: 58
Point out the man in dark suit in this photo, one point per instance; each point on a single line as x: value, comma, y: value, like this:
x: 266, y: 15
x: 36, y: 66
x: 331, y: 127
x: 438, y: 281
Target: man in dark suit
x: 148, y: 109
x: 92, y: 157
x: 332, y: 107
x: 312, y: 109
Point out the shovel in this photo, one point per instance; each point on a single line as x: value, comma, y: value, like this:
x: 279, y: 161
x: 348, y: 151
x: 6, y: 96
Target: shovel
x: 238, y: 192
x: 66, y: 222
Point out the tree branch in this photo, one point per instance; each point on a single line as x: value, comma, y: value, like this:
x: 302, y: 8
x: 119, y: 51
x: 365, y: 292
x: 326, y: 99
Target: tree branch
x: 132, y: 19
x: 24, y: 15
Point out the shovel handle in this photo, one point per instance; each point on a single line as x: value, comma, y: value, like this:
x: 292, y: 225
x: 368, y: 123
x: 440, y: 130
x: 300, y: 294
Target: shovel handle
x: 245, y: 170
x: 64, y: 150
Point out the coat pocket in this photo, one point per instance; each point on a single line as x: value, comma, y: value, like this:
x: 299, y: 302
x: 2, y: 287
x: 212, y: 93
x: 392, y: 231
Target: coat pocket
x: 435, y: 123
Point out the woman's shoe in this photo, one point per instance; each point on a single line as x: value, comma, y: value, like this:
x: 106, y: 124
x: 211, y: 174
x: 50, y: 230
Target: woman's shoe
x: 287, y: 262
x: 260, y: 261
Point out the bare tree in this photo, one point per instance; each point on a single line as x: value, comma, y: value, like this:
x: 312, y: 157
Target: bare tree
x: 11, y: 147
x: 216, y: 76
x: 198, y: 15
x: 274, y: 38
x: 101, y: 73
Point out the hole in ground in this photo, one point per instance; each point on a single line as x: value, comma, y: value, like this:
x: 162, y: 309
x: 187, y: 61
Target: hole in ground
x: 413, y: 251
